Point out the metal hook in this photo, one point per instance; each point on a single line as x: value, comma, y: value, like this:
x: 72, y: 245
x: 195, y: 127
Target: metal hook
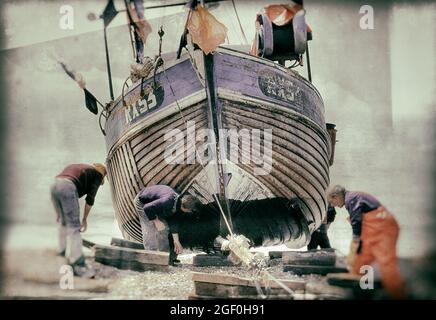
x: 99, y: 122
x: 161, y: 33
x: 157, y: 64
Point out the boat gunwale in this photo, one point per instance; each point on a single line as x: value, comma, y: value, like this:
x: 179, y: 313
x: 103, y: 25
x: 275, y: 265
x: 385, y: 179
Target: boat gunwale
x: 222, y: 93
x: 186, y: 56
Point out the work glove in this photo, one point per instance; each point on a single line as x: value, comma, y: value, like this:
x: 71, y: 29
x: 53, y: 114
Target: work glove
x: 351, y: 258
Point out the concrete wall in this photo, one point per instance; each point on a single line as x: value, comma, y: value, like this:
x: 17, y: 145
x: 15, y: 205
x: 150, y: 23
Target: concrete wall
x: 378, y: 87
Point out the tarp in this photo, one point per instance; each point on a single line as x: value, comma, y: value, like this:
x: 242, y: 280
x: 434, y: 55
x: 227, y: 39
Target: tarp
x: 205, y: 30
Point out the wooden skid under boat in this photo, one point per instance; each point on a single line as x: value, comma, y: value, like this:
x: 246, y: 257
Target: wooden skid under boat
x: 219, y: 286
x: 272, y: 199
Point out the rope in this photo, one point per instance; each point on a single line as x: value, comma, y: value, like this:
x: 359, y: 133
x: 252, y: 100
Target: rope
x: 281, y: 284
x: 141, y: 70
x: 239, y: 22
x: 264, y: 273
x: 196, y: 152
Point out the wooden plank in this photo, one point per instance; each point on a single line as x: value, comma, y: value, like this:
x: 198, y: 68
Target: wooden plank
x: 152, y: 133
x: 87, y: 243
x: 285, y: 131
x: 129, y: 176
x: 126, y: 244
x: 284, y: 120
x: 223, y: 279
x: 286, y: 139
x: 131, y: 265
x: 279, y: 254
x: 116, y: 192
x: 348, y: 280
x: 145, y: 256
x: 220, y: 278
x: 128, y: 193
x: 136, y: 174
x: 310, y: 258
x: 128, y: 161
x: 325, y: 291
x: 207, y: 260
x: 228, y: 291
x: 132, y: 259
x: 307, y: 269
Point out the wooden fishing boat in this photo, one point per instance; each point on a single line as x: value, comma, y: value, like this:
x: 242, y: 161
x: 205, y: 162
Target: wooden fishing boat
x: 226, y: 90
x: 242, y: 133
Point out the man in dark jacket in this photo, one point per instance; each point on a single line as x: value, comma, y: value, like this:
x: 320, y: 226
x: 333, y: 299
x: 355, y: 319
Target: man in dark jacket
x: 158, y: 209
x: 75, y: 181
x: 320, y: 237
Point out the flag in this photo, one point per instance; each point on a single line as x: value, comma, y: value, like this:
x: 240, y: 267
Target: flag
x: 109, y: 13
x: 205, y: 30
x: 191, y: 4
x: 90, y: 100
x: 135, y: 16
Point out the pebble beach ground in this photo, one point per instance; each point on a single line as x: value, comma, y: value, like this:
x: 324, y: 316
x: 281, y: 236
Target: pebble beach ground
x: 36, y: 274
x: 33, y: 271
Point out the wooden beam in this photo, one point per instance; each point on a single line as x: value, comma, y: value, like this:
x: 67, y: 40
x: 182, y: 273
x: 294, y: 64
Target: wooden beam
x: 126, y: 244
x: 348, y: 280
x: 311, y: 269
x: 312, y: 258
x: 324, y: 290
x: 236, y: 292
x: 87, y: 243
x: 207, y: 260
x: 131, y: 259
x: 222, y: 279
x: 279, y: 254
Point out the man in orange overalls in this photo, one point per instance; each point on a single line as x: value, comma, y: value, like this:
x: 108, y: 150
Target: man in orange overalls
x: 375, y: 235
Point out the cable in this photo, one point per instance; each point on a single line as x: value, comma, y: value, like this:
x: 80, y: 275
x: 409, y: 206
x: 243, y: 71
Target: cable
x: 261, y: 272
x: 239, y: 22
x: 196, y: 152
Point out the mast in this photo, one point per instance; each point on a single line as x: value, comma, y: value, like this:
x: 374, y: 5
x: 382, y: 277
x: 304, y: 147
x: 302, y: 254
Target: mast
x: 215, y: 110
x: 215, y: 116
x: 109, y: 13
x: 108, y: 65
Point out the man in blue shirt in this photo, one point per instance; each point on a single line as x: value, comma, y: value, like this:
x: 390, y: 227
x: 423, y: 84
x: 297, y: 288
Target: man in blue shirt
x: 159, y: 208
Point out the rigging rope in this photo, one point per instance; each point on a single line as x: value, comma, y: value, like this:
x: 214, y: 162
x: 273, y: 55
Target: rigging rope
x: 239, y: 22
x: 237, y: 244
x: 196, y: 151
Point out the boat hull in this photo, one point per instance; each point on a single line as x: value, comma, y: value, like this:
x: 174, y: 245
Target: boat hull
x: 272, y: 189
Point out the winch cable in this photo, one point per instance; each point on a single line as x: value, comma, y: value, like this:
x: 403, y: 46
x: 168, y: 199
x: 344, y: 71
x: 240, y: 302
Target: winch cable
x: 263, y: 274
x: 239, y: 22
x: 196, y: 151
